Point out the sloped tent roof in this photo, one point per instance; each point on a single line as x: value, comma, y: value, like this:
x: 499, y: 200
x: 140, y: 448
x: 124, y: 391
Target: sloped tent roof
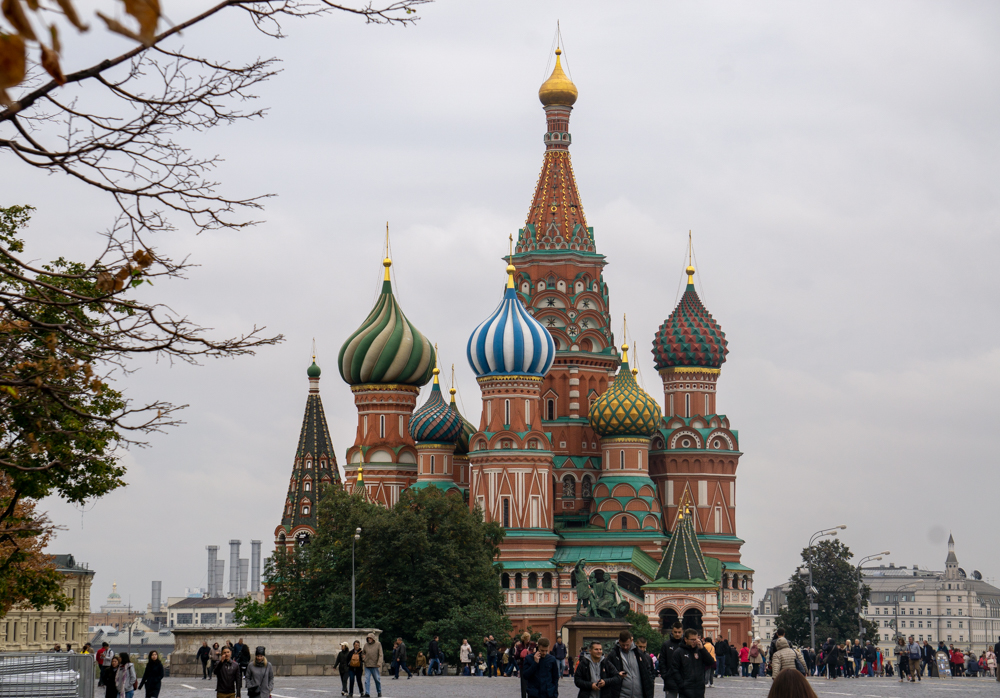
x: 683, y: 563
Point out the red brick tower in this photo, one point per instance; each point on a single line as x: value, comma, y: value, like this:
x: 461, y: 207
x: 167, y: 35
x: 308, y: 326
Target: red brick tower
x: 560, y: 280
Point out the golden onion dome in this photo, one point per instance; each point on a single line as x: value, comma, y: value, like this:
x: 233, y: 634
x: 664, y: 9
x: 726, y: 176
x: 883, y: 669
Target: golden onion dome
x: 624, y: 409
x: 558, y: 89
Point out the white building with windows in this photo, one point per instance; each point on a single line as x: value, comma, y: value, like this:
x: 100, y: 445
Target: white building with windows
x: 953, y: 606
x: 200, y: 612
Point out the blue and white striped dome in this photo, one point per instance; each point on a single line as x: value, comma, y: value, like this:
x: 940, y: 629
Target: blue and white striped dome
x: 510, y: 341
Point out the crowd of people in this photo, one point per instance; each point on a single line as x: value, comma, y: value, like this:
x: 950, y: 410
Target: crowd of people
x: 233, y: 669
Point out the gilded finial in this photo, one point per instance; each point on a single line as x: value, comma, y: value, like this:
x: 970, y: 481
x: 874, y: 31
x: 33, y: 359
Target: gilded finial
x: 510, y: 263
x: 452, y: 390
x: 558, y: 89
x: 625, y: 336
x: 690, y: 268
x: 361, y: 474
x: 314, y: 350
x: 436, y: 370
x: 386, y: 262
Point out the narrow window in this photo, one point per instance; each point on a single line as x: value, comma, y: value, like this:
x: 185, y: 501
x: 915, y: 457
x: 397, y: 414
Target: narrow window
x: 550, y: 405
x: 505, y: 580
x: 527, y: 411
x: 400, y: 425
x: 718, y: 519
x: 706, y: 404
x: 687, y: 405
x: 671, y: 411
x: 506, y: 412
x: 364, y: 428
x: 517, y: 580
x: 489, y: 411
x: 639, y: 456
x: 621, y: 460
x: 73, y: 631
x: 432, y: 465
x: 624, y: 523
x: 381, y: 425
x: 309, y: 487
x: 506, y: 523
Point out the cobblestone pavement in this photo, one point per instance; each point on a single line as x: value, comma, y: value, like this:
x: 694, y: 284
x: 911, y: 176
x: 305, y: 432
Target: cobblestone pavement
x: 478, y: 687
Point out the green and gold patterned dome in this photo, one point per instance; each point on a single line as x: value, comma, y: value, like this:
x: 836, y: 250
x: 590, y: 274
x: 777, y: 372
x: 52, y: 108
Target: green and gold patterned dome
x: 624, y: 409
x: 387, y: 348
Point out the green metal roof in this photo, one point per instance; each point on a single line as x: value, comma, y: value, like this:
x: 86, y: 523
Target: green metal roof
x: 738, y: 567
x: 682, y: 558
x: 517, y: 565
x: 608, y: 555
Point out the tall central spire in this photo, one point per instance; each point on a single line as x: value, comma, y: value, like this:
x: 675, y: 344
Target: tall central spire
x: 555, y: 219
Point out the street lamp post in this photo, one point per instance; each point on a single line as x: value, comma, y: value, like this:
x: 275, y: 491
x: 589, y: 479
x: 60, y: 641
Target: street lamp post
x: 811, y: 590
x: 357, y: 537
x: 895, y: 620
x: 861, y: 627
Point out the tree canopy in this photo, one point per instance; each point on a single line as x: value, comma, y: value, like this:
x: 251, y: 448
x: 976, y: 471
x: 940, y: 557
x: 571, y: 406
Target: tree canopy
x: 836, y: 581
x: 425, y: 566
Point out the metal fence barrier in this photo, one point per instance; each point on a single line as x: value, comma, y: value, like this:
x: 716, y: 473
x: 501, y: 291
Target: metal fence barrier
x: 43, y: 675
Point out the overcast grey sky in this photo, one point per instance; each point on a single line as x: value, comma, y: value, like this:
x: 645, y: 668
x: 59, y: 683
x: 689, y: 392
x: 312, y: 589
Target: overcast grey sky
x: 836, y: 162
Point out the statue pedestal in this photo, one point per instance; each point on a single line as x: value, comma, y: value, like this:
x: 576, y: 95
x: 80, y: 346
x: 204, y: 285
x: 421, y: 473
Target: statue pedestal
x: 581, y: 630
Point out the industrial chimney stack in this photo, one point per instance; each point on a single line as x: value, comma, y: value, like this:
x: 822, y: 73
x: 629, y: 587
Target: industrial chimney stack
x: 213, y: 553
x: 234, y: 567
x: 255, y: 565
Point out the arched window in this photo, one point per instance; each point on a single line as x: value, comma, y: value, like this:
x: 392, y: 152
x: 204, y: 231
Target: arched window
x: 550, y: 406
x: 518, y: 583
x: 621, y: 459
x: 532, y: 580
x: 489, y: 411
x: 547, y: 580
x: 671, y: 410
x: 401, y: 425
x: 569, y: 487
x: 692, y: 619
x: 381, y: 425
x: 506, y: 516
x: 506, y: 412
x: 588, y: 486
x: 309, y: 464
x: 305, y: 510
x: 505, y: 580
x: 639, y: 457
x: 706, y: 404
x: 687, y: 405
x: 668, y: 616
x: 308, y: 486
x: 432, y: 465
x: 527, y: 411
x: 281, y: 537
x: 624, y: 523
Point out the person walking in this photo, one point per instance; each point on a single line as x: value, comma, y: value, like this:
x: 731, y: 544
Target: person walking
x: 101, y: 665
x: 523, y: 649
x: 594, y: 676
x: 902, y: 658
x: 755, y: 659
x: 399, y: 659
x: 710, y: 673
x: 341, y: 664
x: 991, y: 662
x: 433, y: 657
x: 670, y: 645
x: 214, y: 656
x: 125, y: 678
x: 559, y: 652
x: 355, y: 666
x: 871, y: 658
x: 927, y: 658
x: 228, y: 677
x: 373, y: 664
x: 465, y: 655
x: 627, y: 662
x: 420, y: 665
x: 834, y: 658
x: 858, y: 655
x: 108, y: 674
x: 243, y: 658
x: 721, y: 657
x: 541, y: 672
x: 204, y: 655
x: 152, y: 677
x: 744, y: 661
x: 783, y: 657
x: 647, y: 667
x: 260, y: 675
x: 914, y: 653
x: 688, y: 665
x: 236, y: 649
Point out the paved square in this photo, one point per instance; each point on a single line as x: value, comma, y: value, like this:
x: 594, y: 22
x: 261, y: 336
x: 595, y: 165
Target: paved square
x: 473, y: 687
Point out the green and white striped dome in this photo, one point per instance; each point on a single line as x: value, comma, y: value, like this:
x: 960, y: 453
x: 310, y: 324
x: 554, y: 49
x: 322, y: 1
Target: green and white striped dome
x: 387, y: 348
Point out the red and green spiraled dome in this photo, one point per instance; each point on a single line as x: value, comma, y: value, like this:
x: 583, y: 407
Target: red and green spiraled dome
x: 690, y: 336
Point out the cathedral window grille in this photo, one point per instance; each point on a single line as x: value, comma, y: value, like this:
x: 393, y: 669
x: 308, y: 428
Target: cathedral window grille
x: 381, y: 425
x: 518, y: 581
x: 624, y: 523
x: 687, y: 405
x: 505, y: 580
x: 587, y: 486
x: 550, y: 405
x: 309, y: 465
x: 547, y: 580
x: 506, y: 412
x: 532, y: 580
x: 569, y: 487
x: 506, y: 524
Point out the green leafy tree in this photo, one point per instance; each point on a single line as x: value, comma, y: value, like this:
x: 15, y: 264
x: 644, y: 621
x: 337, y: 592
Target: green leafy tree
x: 836, y: 581
x: 250, y: 613
x: 426, y: 559
x: 472, y: 622
x: 642, y: 629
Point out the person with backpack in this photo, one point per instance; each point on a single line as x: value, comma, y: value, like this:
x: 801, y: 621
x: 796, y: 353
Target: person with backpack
x: 755, y: 658
x: 559, y: 652
x: 355, y: 666
x: 125, y: 679
x: 243, y: 658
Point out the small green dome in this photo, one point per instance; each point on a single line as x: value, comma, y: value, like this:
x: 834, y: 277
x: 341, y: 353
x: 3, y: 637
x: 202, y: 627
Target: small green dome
x: 313, y: 371
x: 624, y: 409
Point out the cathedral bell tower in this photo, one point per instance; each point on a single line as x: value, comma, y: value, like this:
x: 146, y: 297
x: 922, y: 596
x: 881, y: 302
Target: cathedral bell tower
x: 511, y: 456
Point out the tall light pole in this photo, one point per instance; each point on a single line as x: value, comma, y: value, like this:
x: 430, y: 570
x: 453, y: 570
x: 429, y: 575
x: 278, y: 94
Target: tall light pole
x: 811, y: 590
x: 861, y: 627
x: 357, y: 537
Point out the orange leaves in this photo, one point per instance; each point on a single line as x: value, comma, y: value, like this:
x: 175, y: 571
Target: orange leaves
x: 146, y: 12
x: 67, y: 7
x: 12, y: 64
x: 50, y: 61
x: 14, y: 13
x: 112, y: 283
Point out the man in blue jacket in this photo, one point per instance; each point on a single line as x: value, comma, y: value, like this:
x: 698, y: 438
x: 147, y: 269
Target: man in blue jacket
x: 541, y: 672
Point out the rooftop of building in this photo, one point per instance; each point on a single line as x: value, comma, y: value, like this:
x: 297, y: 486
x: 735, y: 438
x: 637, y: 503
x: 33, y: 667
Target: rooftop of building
x: 68, y: 564
x: 202, y: 602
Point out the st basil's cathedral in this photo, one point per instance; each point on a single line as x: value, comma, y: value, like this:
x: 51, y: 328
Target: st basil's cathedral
x: 570, y: 455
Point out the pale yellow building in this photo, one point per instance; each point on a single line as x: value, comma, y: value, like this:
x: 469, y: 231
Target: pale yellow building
x: 25, y: 629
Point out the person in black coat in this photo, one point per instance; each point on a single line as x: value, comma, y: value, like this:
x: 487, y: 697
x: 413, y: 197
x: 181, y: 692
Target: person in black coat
x: 108, y: 679
x: 244, y: 659
x: 152, y: 677
x: 670, y: 645
x: 341, y: 664
x: 609, y: 679
x: 688, y: 665
x: 626, y: 659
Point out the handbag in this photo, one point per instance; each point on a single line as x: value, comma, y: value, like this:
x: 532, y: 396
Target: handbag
x: 253, y: 691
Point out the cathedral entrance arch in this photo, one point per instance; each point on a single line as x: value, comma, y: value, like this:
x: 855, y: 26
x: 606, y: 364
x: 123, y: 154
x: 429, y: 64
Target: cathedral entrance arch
x: 668, y: 616
x: 692, y: 619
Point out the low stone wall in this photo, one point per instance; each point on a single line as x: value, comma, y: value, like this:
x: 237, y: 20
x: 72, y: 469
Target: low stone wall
x: 292, y: 651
